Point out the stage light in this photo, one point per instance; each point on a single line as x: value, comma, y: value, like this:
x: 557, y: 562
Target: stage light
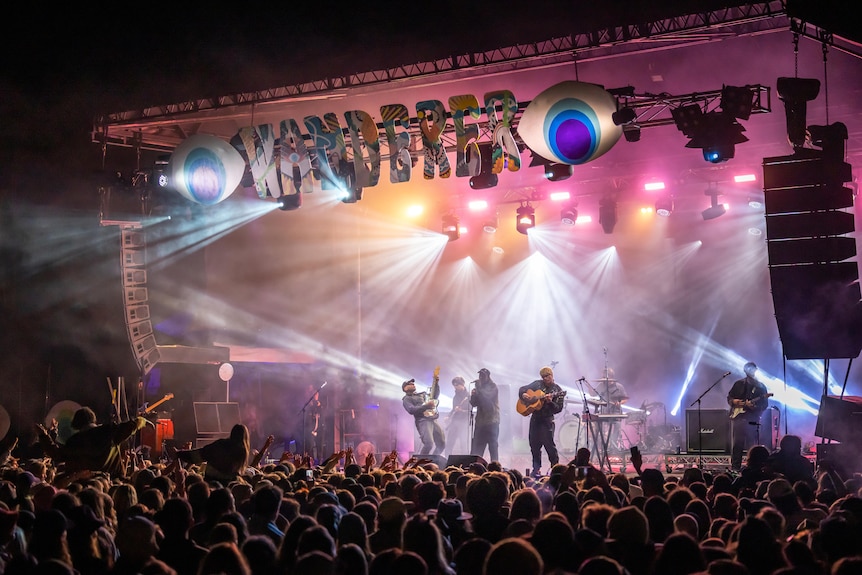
x: 624, y: 116
x: 569, y: 214
x: 737, y: 101
x: 559, y: 196
x: 755, y: 202
x: 632, y: 132
x: 289, y: 202
x: 526, y: 218
x: 451, y: 227
x: 795, y: 93
x: 715, y: 209
x: 351, y: 195
x: 557, y: 172
x: 415, y: 211
x: 688, y: 119
x: 653, y: 186
x: 742, y: 178
x: 717, y: 135
x: 664, y: 206
x: 485, y: 178
x: 477, y: 205
x: 490, y: 225
x: 608, y: 214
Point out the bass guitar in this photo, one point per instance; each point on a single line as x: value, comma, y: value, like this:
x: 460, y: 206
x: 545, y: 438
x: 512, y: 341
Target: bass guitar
x: 747, y: 406
x: 432, y: 412
x: 152, y: 406
x: 535, y: 400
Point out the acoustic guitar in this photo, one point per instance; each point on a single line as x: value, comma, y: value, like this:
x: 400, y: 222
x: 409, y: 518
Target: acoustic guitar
x: 747, y: 406
x: 535, y: 400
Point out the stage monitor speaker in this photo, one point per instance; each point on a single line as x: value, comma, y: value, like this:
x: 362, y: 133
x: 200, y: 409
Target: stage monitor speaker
x: 464, y: 461
x: 714, y: 431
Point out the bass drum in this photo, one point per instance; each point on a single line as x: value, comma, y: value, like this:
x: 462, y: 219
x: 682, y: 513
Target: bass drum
x: 570, y: 436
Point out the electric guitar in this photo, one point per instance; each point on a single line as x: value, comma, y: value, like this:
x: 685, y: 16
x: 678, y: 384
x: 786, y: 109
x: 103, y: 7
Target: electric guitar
x: 535, y: 400
x: 747, y: 406
x: 432, y: 412
x: 152, y: 406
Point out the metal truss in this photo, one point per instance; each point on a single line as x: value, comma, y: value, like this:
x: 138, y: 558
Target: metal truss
x: 163, y: 126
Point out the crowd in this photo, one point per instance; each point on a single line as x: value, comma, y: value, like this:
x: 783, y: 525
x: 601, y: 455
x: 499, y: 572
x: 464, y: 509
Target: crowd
x: 223, y: 509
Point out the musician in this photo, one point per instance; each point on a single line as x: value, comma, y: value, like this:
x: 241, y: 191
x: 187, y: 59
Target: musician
x: 457, y: 423
x: 612, y: 393
x: 423, y: 410
x: 485, y: 398
x: 542, y: 425
x: 748, y: 399
x: 614, y: 396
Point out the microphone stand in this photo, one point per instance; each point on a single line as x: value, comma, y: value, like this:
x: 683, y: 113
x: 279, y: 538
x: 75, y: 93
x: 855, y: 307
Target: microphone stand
x: 470, y: 421
x: 699, y: 425
x: 302, y: 415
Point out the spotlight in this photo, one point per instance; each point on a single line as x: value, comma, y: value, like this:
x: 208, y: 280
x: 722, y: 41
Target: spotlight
x: 632, y: 132
x: 715, y: 209
x: 490, y: 225
x: 737, y: 101
x: 451, y: 227
x: 717, y: 135
x: 526, y: 218
x: 664, y: 206
x: 795, y: 93
x: 485, y: 178
x: 608, y: 214
x: 287, y: 203
x: 557, y: 172
x: 569, y: 215
x: 624, y: 116
x: 351, y: 195
x: 688, y: 119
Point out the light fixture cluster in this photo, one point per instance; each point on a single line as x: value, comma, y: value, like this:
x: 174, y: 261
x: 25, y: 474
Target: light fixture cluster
x: 716, y: 132
x: 526, y: 217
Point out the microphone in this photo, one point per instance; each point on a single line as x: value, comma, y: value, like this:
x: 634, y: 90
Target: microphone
x: 475, y: 381
x: 726, y: 374
x: 583, y: 379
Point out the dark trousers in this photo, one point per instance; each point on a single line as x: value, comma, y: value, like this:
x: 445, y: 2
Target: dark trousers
x: 744, y: 434
x: 487, y: 436
x: 542, y: 436
x: 431, y: 435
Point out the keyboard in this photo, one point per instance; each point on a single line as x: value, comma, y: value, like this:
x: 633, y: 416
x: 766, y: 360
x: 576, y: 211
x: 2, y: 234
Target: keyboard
x: 606, y: 416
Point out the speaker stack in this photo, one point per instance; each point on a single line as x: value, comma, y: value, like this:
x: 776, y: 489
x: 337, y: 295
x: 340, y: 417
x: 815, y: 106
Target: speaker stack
x: 711, y: 435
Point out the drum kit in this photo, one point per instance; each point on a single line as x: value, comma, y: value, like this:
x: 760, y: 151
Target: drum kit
x: 654, y: 438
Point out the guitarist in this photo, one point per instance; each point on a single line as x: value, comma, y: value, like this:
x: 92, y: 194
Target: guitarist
x: 424, y: 412
x: 748, y: 399
x: 541, y: 433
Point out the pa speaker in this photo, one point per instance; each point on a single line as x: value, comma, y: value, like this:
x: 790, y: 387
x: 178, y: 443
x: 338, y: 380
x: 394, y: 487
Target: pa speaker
x: 464, y: 461
x: 713, y: 431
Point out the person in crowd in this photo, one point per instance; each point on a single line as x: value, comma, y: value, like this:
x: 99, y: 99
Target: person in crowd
x: 485, y: 398
x: 545, y: 399
x: 92, y: 446
x: 225, y: 458
x: 748, y: 399
x: 424, y: 412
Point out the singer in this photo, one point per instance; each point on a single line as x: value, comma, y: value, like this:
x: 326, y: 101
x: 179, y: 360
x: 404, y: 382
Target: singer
x: 748, y: 399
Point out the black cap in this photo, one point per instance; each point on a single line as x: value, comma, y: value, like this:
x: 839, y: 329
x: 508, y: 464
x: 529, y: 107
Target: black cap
x: 485, y: 371
x: 409, y: 381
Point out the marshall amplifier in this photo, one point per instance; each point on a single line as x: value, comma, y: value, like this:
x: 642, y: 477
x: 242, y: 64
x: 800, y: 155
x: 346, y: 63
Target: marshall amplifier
x: 714, y: 436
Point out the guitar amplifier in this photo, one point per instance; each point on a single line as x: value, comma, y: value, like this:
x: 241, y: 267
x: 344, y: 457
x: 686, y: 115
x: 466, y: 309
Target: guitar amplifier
x: 714, y: 431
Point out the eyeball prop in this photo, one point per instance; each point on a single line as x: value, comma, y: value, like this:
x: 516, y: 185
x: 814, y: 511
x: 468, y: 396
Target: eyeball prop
x: 570, y: 123
x: 205, y: 169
